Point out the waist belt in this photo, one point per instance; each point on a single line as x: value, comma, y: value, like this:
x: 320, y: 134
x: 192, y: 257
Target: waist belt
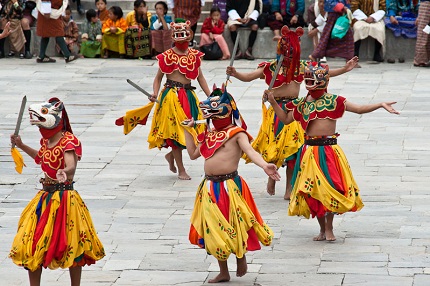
x: 321, y: 141
x: 221, y: 178
x: 52, y: 186
x: 171, y: 83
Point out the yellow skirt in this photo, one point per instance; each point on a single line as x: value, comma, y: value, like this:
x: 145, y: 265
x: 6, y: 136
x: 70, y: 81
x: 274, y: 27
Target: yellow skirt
x: 276, y: 141
x: 226, y: 220
x: 56, y: 231
x: 175, y: 105
x: 114, y: 43
x: 323, y: 182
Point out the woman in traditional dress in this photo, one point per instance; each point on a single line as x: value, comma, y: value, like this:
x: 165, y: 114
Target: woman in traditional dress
x: 137, y: 35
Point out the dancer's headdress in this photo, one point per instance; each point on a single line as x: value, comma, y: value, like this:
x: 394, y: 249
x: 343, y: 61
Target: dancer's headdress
x: 51, y: 117
x: 221, y: 108
x: 289, y: 47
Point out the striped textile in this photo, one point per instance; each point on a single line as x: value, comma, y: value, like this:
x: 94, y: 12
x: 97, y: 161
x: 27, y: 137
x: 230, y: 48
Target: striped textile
x: 422, y: 46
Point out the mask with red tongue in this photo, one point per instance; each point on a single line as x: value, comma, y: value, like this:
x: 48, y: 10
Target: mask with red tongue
x: 181, y: 33
x: 51, y: 117
x: 221, y: 108
x: 316, y: 79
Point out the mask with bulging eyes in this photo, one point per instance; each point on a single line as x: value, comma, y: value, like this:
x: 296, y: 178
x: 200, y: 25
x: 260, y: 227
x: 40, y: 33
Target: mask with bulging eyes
x: 181, y: 32
x: 316, y: 76
x: 46, y: 115
x: 217, y: 105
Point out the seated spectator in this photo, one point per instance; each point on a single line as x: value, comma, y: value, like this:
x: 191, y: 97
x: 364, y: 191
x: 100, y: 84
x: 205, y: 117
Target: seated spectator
x: 317, y: 18
x: 102, y: 11
x: 212, y: 30
x: 286, y: 12
x: 20, y: 33
x: 422, y: 45
x: 243, y: 13
x: 137, y: 34
x: 334, y: 47
x: 91, y: 35
x: 401, y: 20
x: 71, y: 32
x: 368, y: 22
x: 221, y: 4
x: 5, y: 32
x: 113, y: 33
x: 161, y: 36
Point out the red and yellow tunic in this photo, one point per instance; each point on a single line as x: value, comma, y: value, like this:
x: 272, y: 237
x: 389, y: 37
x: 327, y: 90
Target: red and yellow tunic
x: 187, y: 64
x: 52, y: 159
x: 328, y: 106
x: 212, y: 141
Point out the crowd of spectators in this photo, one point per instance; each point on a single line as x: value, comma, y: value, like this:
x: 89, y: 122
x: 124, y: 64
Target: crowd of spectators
x: 142, y: 34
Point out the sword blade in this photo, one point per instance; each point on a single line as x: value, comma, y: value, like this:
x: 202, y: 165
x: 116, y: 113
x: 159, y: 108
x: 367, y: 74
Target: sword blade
x: 275, y: 75
x: 278, y: 68
x: 139, y: 89
x: 19, y: 120
x: 236, y: 44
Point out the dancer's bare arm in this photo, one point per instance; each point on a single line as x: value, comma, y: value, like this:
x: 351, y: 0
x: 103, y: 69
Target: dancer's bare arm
x: 70, y: 162
x: 156, y: 85
x: 346, y: 68
x: 246, y: 77
x: 203, y: 84
x: 192, y: 149
x: 361, y: 109
x: 16, y: 139
x: 269, y: 168
x: 285, y: 117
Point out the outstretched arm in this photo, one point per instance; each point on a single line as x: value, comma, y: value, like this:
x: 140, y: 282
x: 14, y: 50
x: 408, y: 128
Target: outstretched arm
x: 285, y: 117
x: 203, y: 84
x: 346, y: 68
x: 246, y: 77
x: 269, y: 168
x: 192, y: 149
x: 16, y: 139
x: 361, y: 109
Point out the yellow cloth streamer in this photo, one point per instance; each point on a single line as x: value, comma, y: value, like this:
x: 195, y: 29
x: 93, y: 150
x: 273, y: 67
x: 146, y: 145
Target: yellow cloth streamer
x: 18, y: 159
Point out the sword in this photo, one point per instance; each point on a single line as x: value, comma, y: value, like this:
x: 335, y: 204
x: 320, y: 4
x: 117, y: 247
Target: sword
x: 201, y: 121
x: 140, y: 89
x: 236, y: 44
x: 19, y: 120
x: 275, y: 75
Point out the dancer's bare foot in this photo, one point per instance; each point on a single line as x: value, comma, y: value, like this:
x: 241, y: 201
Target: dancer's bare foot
x: 171, y: 160
x: 287, y: 194
x: 242, y: 267
x: 270, y: 186
x: 320, y: 237
x: 220, y: 278
x: 183, y: 176
x: 329, y: 235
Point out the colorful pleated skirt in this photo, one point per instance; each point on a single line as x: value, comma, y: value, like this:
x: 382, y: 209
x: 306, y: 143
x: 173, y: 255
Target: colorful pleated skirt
x: 175, y: 105
x: 275, y: 141
x: 323, y: 182
x: 56, y: 231
x: 226, y: 220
